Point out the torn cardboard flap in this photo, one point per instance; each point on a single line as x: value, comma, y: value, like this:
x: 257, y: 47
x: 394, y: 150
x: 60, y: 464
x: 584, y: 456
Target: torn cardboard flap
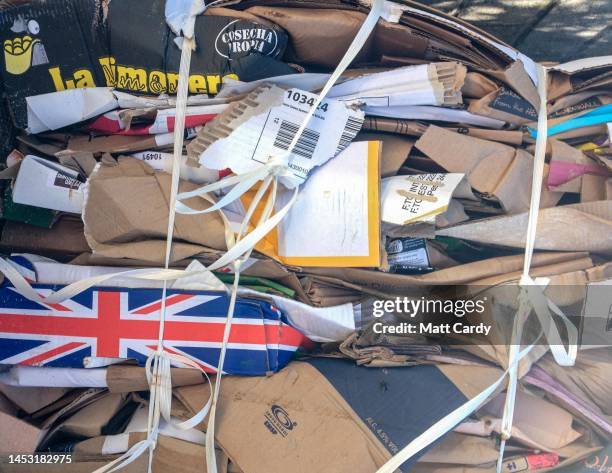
x: 31, y: 399
x: 83, y: 163
x: 460, y: 449
x: 564, y: 228
x: 579, y: 75
x: 537, y: 423
x: 259, y: 101
x: 518, y: 78
x: 493, y: 169
x: 477, y: 85
x: 126, y: 215
x: 595, y: 188
x: 91, y: 419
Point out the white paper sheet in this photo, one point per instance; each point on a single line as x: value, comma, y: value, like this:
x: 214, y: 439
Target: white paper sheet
x: 268, y: 135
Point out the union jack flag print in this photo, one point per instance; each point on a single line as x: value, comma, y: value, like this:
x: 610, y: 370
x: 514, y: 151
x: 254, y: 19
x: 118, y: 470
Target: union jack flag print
x: 124, y: 323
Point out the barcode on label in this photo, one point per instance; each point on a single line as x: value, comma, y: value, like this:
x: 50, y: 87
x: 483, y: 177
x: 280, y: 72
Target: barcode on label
x: 353, y: 125
x: 304, y: 147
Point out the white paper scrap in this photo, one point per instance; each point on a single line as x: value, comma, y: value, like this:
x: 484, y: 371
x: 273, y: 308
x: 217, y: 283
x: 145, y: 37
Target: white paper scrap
x: 417, y: 198
x: 59, y: 109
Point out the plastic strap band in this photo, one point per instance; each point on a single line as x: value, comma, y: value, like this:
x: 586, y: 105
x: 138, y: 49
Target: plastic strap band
x: 159, y: 401
x: 532, y: 296
x: 447, y: 423
x: 211, y: 459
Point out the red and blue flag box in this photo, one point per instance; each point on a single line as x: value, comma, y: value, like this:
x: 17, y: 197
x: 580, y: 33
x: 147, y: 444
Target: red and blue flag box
x: 123, y: 323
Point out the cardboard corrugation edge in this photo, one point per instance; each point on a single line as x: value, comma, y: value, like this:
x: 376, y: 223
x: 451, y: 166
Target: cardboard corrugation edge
x: 451, y: 75
x: 257, y: 102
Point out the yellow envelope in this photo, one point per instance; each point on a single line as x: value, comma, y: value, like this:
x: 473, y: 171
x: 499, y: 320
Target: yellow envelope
x: 335, y: 221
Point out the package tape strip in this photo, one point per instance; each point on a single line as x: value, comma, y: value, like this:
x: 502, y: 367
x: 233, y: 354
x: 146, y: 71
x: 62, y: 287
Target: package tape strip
x: 532, y: 297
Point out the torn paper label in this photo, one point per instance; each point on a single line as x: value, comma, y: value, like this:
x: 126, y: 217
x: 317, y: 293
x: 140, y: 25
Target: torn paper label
x: 330, y: 130
x: 417, y: 198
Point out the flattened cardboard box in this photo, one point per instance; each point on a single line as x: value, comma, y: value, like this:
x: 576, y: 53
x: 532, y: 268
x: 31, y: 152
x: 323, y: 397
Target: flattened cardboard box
x: 329, y: 415
x: 65, y: 44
